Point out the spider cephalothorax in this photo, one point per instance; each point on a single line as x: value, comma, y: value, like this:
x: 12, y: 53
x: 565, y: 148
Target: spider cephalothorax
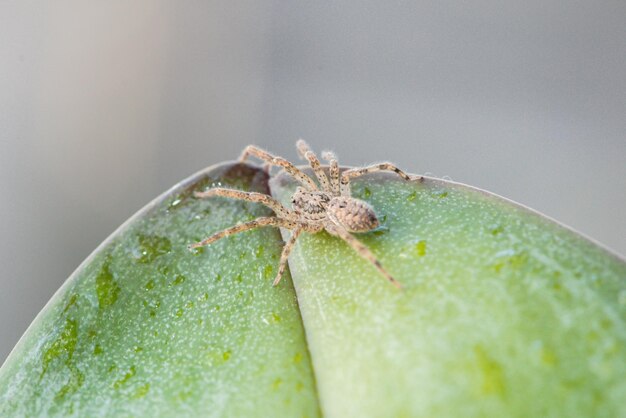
x: 328, y: 207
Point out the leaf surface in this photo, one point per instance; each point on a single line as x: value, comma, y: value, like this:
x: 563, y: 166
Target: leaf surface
x: 503, y: 312
x: 147, y: 328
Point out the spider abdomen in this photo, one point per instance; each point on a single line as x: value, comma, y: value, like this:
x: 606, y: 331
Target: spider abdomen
x: 353, y: 214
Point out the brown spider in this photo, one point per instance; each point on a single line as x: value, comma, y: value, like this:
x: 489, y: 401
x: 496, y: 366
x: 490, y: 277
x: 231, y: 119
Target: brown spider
x: 314, y: 210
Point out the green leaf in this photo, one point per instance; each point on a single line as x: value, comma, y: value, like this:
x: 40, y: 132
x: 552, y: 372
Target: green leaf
x: 147, y: 328
x: 503, y: 313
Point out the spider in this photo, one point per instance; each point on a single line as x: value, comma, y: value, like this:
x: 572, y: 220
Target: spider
x: 329, y: 207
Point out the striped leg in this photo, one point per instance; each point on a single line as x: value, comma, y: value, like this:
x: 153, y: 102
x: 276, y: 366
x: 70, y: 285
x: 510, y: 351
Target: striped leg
x: 347, y: 175
x: 261, y: 198
x: 334, y: 172
x: 257, y: 223
x: 285, y: 255
x: 363, y: 251
x: 251, y: 150
x: 306, y: 153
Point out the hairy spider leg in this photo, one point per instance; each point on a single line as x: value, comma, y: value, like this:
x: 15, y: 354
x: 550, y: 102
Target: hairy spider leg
x: 363, y: 251
x: 263, y: 199
x: 333, y: 172
x: 263, y: 155
x: 285, y: 254
x: 305, y: 152
x: 347, y: 175
x: 257, y: 223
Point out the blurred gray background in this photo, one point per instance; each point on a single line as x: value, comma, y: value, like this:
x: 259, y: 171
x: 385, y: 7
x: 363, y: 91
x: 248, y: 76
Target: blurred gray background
x: 104, y: 105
